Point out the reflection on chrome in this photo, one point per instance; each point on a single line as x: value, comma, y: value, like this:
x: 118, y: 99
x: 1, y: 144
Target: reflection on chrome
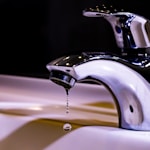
x: 130, y: 30
x: 131, y: 91
x: 125, y: 74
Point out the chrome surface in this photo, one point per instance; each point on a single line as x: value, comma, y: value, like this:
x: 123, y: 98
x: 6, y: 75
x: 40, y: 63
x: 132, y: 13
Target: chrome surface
x: 131, y: 91
x: 125, y: 75
x: 130, y: 30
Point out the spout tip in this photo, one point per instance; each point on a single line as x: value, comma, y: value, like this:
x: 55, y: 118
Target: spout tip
x: 62, y: 79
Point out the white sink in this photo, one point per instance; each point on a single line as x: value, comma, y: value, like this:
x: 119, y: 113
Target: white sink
x: 33, y: 114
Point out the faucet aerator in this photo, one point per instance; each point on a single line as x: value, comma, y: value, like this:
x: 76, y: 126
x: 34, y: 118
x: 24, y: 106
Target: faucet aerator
x: 61, y: 78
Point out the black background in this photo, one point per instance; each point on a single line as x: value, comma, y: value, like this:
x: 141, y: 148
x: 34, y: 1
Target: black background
x: 34, y: 32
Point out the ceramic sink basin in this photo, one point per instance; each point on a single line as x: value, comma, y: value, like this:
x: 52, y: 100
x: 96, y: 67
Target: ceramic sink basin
x: 33, y: 113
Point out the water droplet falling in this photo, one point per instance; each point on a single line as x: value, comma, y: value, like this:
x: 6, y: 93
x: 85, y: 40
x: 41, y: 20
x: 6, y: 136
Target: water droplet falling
x: 67, y: 101
x: 67, y: 126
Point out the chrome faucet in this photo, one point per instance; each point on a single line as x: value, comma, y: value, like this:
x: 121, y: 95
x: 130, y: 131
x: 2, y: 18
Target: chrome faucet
x: 130, y: 30
x: 124, y: 75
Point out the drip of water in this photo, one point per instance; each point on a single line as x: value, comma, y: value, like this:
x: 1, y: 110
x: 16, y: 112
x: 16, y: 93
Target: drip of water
x: 67, y: 101
x: 67, y: 126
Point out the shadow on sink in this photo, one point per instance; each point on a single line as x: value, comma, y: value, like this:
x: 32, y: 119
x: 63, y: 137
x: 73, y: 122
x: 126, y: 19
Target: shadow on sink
x: 35, y: 135
x: 44, y: 134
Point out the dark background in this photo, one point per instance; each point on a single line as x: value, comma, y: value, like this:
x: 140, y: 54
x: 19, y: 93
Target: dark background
x: 34, y: 32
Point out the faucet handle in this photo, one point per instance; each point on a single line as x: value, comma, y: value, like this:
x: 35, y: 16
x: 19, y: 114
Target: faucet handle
x: 131, y: 30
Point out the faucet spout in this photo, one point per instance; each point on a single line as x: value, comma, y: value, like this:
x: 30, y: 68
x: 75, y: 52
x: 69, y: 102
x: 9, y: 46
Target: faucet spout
x: 131, y: 91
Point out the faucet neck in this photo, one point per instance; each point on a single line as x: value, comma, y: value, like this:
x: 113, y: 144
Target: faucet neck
x: 130, y: 90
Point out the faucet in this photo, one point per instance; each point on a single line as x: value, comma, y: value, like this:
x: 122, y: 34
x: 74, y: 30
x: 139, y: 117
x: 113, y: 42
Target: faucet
x: 130, y: 30
x: 124, y: 75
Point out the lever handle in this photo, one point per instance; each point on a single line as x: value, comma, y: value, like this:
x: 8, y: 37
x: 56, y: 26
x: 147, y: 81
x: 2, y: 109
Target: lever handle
x: 131, y: 30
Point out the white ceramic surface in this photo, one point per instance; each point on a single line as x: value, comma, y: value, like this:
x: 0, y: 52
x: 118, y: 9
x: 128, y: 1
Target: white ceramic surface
x: 32, y: 115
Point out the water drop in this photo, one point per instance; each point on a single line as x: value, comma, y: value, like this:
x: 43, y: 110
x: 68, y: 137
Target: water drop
x: 67, y: 101
x: 67, y: 127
